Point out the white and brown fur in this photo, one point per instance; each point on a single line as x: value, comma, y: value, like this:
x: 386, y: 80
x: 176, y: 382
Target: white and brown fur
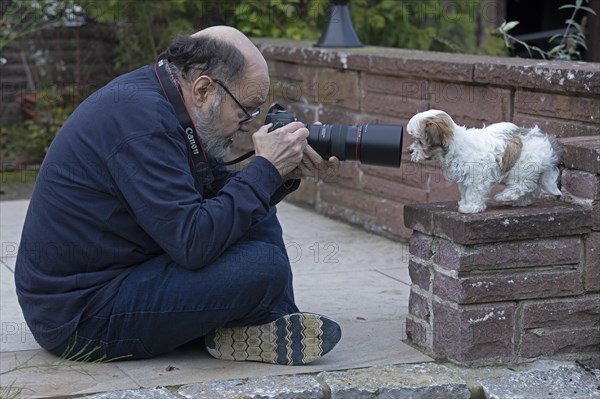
x: 477, y: 159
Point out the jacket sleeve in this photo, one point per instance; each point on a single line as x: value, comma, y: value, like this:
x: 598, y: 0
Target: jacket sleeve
x: 152, y: 174
x: 289, y: 186
x: 222, y: 175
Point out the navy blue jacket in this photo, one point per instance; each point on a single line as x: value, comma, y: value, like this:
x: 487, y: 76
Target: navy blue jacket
x: 115, y: 190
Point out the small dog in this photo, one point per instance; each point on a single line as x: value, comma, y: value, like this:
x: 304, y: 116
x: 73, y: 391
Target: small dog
x: 477, y: 159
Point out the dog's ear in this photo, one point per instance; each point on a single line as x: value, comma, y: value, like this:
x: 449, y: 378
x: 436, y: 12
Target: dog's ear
x: 438, y: 130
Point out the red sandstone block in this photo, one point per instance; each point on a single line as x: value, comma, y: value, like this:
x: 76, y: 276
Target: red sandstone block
x: 286, y: 91
x: 357, y: 207
x: 556, y: 127
x: 385, y: 104
x: 418, y: 307
x: 545, y: 218
x: 392, y: 224
x: 571, y: 108
x: 509, y: 255
x: 420, y: 246
x: 417, y: 331
x: 335, y: 88
x: 441, y: 190
x: 584, y: 185
x: 294, y: 52
x: 390, y: 217
x: 562, y: 313
x: 304, y: 112
x: 306, y: 194
x: 471, y: 105
x: 582, y: 153
x: 397, y: 86
x: 551, y: 75
x: 509, y: 286
x: 592, y: 262
x: 288, y: 71
x: 392, y: 174
x: 348, y: 175
x: 416, y: 64
x: 552, y: 342
x: 353, y: 200
x: 482, y: 333
x: 420, y: 274
x: 337, y: 115
x: 419, y: 175
x: 392, y: 190
x: 384, y: 119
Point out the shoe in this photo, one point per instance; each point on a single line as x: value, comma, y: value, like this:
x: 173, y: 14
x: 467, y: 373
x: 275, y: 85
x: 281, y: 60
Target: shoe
x: 294, y: 339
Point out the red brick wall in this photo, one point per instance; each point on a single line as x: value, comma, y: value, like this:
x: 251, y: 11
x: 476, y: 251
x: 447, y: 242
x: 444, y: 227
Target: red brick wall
x: 383, y: 85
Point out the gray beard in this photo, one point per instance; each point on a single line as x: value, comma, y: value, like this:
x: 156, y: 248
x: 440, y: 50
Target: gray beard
x: 215, y: 146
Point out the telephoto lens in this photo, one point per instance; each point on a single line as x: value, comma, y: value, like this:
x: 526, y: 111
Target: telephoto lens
x: 379, y: 145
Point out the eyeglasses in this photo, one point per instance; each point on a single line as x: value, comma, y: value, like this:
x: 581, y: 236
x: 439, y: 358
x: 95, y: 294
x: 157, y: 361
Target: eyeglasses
x: 249, y: 116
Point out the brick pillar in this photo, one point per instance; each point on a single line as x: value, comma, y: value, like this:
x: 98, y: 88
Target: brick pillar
x: 503, y: 286
x: 581, y: 185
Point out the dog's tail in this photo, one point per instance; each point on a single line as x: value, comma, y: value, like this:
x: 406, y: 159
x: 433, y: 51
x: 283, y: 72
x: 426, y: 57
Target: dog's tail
x: 548, y: 179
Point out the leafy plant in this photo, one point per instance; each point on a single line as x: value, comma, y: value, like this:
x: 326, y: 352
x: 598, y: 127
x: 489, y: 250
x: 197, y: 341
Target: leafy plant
x: 145, y: 28
x: 571, y: 41
x: 292, y: 19
x: 423, y: 25
x: 30, y: 139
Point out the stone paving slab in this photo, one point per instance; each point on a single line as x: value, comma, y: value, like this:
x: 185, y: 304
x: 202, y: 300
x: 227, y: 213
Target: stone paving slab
x: 41, y: 375
x: 156, y: 393
x: 568, y: 382
x: 292, y: 387
x: 419, y: 381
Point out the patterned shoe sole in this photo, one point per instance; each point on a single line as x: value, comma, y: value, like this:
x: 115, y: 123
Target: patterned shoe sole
x: 294, y: 339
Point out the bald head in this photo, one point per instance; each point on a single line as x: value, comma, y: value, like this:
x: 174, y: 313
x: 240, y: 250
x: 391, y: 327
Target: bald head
x: 224, y: 54
x: 237, y: 39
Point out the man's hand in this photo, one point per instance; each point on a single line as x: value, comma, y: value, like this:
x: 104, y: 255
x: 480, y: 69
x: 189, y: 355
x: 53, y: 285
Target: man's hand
x: 282, y: 147
x: 312, y: 165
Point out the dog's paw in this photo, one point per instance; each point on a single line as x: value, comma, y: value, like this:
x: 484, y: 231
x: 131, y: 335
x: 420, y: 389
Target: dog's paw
x: 471, y: 208
x: 523, y: 201
x: 506, y: 196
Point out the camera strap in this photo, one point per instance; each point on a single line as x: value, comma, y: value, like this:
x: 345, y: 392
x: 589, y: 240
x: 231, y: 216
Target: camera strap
x: 201, y: 170
x: 240, y: 158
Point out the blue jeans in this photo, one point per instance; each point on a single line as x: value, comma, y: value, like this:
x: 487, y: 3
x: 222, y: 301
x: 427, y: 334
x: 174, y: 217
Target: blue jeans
x: 161, y: 306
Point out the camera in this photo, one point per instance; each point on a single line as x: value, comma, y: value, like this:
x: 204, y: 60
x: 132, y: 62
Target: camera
x: 379, y: 145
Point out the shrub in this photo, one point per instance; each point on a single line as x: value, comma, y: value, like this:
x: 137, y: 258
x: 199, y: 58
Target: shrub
x: 28, y: 142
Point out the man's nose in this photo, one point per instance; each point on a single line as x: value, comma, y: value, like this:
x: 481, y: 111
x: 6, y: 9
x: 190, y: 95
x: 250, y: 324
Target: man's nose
x: 245, y: 127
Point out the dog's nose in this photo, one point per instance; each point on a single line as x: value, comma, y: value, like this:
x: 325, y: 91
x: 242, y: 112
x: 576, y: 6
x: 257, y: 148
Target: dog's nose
x: 410, y: 151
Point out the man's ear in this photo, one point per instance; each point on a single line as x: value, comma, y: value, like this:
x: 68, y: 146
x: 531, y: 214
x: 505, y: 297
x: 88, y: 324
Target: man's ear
x: 201, y: 89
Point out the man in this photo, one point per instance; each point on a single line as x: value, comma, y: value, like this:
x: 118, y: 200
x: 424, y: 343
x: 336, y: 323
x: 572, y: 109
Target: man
x: 129, y: 253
